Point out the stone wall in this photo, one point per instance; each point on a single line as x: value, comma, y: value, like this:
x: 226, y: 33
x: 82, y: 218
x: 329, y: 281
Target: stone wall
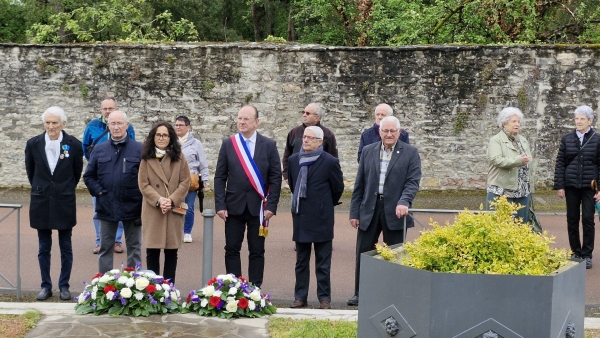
x: 446, y: 97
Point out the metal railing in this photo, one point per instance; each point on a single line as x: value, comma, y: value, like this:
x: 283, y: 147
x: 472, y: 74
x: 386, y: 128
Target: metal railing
x: 435, y: 211
x: 14, y: 207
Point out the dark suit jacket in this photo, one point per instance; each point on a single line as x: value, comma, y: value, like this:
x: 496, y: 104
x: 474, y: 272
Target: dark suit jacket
x: 324, y: 187
x: 233, y: 190
x: 400, y: 187
x: 53, y: 195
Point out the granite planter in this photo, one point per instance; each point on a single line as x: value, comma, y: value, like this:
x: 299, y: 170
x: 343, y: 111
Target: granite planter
x: 438, y: 305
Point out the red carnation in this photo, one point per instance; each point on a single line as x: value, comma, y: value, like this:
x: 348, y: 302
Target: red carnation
x: 98, y: 275
x: 212, y: 281
x: 166, y: 282
x: 109, y: 288
x: 129, y: 269
x: 214, y: 301
x: 243, y: 279
x: 150, y: 288
x: 243, y: 303
x: 189, y: 297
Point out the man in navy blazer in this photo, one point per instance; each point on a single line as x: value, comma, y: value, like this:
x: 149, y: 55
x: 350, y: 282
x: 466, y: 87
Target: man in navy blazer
x: 237, y: 201
x: 54, y: 161
x: 371, y: 135
x: 387, y: 181
x: 316, y: 179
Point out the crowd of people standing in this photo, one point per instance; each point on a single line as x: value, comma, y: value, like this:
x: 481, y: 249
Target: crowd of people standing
x: 147, y: 191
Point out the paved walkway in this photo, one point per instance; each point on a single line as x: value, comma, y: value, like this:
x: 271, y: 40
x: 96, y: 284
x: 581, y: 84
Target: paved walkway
x: 60, y: 320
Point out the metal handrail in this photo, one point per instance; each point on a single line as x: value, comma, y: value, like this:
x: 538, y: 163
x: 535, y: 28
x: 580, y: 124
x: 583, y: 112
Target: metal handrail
x: 435, y: 211
x: 14, y: 207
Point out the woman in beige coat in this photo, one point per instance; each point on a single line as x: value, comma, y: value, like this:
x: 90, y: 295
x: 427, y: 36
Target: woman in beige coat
x: 164, y: 180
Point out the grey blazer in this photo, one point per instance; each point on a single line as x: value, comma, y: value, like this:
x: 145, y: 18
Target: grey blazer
x: 400, y: 187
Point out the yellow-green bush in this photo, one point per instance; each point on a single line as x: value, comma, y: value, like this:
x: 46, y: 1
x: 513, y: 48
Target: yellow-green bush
x: 492, y: 243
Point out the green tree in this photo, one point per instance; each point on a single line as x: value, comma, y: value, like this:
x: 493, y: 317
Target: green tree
x: 12, y: 16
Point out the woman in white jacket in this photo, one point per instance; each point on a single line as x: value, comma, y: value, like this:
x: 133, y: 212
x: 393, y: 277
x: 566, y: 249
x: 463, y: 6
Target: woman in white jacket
x: 192, y: 148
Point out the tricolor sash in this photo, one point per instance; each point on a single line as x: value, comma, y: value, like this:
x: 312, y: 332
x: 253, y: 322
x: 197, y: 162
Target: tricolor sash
x: 253, y: 174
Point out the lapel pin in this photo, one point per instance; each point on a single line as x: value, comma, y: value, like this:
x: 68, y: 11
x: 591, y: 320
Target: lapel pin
x: 62, y: 156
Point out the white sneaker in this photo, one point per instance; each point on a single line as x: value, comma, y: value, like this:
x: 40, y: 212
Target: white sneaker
x: 187, y: 238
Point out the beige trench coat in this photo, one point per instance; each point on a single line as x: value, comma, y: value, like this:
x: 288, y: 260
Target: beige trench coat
x: 163, y: 231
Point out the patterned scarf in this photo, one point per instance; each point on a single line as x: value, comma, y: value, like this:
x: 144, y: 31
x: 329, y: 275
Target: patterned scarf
x: 160, y: 153
x: 306, y: 159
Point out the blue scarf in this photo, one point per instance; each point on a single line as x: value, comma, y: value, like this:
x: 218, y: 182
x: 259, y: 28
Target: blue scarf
x: 306, y: 159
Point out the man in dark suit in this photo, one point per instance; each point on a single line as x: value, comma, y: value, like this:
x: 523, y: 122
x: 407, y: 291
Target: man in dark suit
x: 54, y: 161
x: 239, y: 199
x: 316, y: 179
x: 371, y: 135
x: 387, y: 181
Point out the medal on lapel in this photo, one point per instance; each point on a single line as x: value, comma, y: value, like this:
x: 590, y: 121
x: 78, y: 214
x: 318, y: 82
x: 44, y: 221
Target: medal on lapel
x: 65, y: 149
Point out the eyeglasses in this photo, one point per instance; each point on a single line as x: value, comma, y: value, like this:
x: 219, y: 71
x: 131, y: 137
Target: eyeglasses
x: 385, y: 131
x: 108, y: 109
x: 310, y: 138
x: 161, y: 136
x: 114, y: 124
x: 306, y: 112
x: 245, y: 119
x: 180, y: 125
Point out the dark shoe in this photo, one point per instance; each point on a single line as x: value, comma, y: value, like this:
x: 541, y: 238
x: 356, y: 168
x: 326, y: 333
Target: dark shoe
x: 325, y: 304
x: 118, y: 248
x: 353, y: 301
x: 44, y: 294
x: 588, y: 262
x: 575, y: 256
x: 298, y: 304
x: 65, y: 294
x: 96, y: 249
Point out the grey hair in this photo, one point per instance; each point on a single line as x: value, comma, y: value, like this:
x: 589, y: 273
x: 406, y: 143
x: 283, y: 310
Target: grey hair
x: 119, y: 111
x: 110, y: 98
x: 585, y: 110
x: 317, y: 130
x: 320, y: 112
x: 55, y: 111
x: 390, y: 119
x: 385, y: 106
x: 505, y: 114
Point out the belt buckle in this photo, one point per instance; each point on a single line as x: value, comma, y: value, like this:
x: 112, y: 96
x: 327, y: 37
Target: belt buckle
x: 380, y: 197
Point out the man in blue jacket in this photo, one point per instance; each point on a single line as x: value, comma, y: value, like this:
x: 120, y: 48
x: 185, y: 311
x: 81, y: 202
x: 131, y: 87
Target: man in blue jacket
x: 112, y: 177
x: 95, y: 133
x: 371, y: 135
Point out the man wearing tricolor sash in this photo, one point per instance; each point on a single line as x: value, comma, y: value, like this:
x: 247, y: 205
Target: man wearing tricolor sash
x: 247, y: 186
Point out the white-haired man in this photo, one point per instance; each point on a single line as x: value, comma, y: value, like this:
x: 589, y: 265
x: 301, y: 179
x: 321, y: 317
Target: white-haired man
x: 54, y: 161
x: 386, y: 184
x: 371, y: 135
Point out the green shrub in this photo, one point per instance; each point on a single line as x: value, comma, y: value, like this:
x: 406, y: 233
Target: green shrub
x: 492, y: 243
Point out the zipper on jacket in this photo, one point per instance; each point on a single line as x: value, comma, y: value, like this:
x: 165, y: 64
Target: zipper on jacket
x: 124, y: 165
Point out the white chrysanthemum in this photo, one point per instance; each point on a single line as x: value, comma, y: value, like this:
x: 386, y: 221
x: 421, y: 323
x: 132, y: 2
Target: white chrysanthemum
x: 217, y: 293
x: 141, y: 283
x: 109, y: 295
x: 262, y: 303
x: 174, y: 295
x: 230, y: 299
x: 231, y: 306
x: 94, y: 281
x: 183, y: 305
x: 178, y: 294
x: 255, y: 295
x: 126, y: 293
x: 95, y: 289
x: 223, y: 277
x: 159, y: 287
x: 122, y: 280
x: 94, y: 295
x: 233, y: 291
x: 139, y: 295
x: 104, y: 279
x: 81, y: 299
x: 204, y: 302
x: 115, y: 271
x: 237, y: 285
x: 251, y: 305
x: 208, y: 291
x: 166, y: 287
x: 162, y: 299
x: 130, y: 282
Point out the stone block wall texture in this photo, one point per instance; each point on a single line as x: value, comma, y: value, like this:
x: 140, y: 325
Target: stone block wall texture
x: 446, y: 97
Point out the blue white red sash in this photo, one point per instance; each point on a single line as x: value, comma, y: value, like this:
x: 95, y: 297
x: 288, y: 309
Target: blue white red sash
x: 253, y: 174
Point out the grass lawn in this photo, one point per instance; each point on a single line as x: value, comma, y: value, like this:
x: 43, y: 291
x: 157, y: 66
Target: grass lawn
x: 312, y: 328
x: 17, y: 326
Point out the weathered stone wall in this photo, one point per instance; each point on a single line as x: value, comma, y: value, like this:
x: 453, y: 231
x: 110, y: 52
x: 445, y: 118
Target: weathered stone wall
x: 446, y: 97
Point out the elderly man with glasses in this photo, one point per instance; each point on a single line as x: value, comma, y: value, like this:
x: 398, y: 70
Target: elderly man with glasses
x: 386, y: 184
x: 311, y: 116
x: 95, y: 133
x: 371, y: 135
x: 112, y: 177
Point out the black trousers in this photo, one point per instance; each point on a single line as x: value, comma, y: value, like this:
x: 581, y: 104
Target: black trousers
x: 366, y: 240
x: 580, y: 199
x: 322, y: 270
x: 235, y: 226
x: 170, y: 264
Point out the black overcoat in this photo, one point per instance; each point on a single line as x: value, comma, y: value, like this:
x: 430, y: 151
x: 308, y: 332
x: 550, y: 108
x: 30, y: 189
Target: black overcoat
x: 52, y: 203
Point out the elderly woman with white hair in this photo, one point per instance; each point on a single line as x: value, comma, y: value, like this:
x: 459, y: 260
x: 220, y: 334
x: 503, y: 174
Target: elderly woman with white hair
x: 509, y: 157
x: 576, y: 167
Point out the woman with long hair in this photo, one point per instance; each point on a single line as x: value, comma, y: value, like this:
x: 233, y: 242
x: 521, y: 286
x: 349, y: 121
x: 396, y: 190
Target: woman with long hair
x: 164, y: 181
